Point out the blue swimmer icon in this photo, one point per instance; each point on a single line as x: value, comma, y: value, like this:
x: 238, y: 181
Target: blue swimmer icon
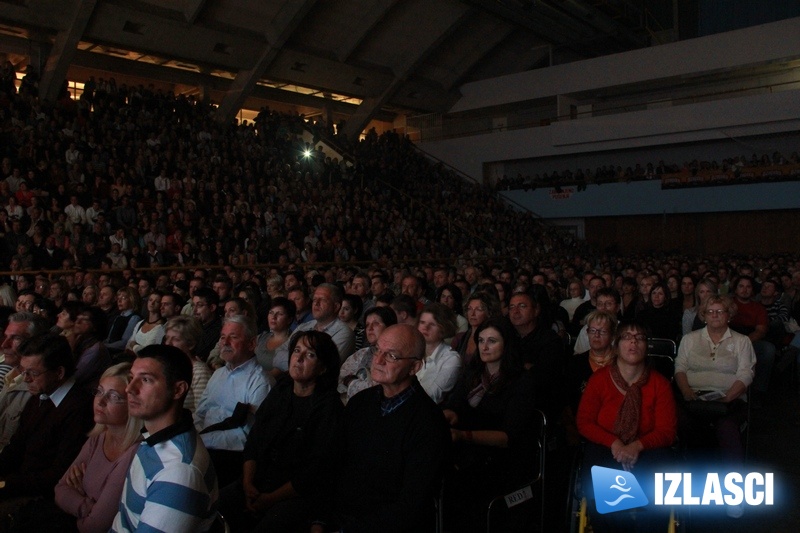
x: 616, y: 490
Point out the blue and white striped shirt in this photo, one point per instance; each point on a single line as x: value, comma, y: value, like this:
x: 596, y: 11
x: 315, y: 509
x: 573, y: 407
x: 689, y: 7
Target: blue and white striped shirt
x: 171, y: 485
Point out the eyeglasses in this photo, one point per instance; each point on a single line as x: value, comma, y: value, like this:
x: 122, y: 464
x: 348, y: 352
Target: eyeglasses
x: 716, y: 312
x: 32, y: 374
x: 111, y: 396
x: 518, y: 306
x: 598, y: 332
x: 392, y: 357
x: 631, y: 337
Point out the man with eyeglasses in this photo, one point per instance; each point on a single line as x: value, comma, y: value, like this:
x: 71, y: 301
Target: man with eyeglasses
x: 13, y: 389
x: 53, y: 424
x: 394, y: 443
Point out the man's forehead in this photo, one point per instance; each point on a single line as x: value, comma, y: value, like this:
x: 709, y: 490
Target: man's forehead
x: 14, y: 328
x: 32, y: 361
x: 146, y: 365
x: 389, y: 340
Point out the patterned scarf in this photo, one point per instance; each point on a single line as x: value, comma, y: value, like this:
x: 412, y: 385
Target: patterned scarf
x: 486, y: 383
x: 626, y: 426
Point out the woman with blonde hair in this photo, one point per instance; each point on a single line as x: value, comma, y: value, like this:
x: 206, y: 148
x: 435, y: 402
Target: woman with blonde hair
x: 91, y: 488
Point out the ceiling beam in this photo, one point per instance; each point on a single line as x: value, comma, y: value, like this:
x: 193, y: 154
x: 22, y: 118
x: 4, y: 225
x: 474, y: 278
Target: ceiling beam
x: 192, y: 9
x: 350, y: 40
x: 63, y: 51
x: 286, y: 21
x: 369, y: 106
x: 595, y: 18
x: 468, y: 58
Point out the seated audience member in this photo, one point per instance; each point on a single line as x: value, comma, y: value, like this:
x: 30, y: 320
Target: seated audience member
x: 233, y: 306
x: 718, y: 360
x: 325, y: 308
x: 204, y: 309
x: 575, y: 293
x: 541, y: 351
x: 491, y: 416
x: 149, y: 330
x: 91, y: 355
x: 272, y: 346
x: 595, y: 284
x: 777, y: 312
x: 393, y: 444
x: 751, y: 319
x: 15, y: 395
x: 171, y: 485
x: 601, y: 327
x: 124, y: 323
x: 627, y: 416
x: 450, y: 295
x: 441, y: 366
x: 350, y: 315
x: 706, y: 288
x: 65, y: 321
x: 608, y: 300
x: 171, y: 305
x: 355, y: 375
x: 91, y: 488
x: 52, y: 425
x: 287, y: 451
x: 405, y: 308
x: 480, y: 307
x: 630, y: 298
x: 225, y: 412
x: 302, y: 303
x: 361, y: 287
x: 660, y: 316
x: 184, y: 332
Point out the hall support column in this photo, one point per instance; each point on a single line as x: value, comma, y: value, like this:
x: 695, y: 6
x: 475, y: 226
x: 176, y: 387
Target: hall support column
x: 63, y: 51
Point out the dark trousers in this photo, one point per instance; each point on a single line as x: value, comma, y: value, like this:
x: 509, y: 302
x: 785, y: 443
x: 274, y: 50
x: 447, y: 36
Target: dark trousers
x: 228, y: 466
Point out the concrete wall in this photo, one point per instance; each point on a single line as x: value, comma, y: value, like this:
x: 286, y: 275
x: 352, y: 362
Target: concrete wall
x: 765, y: 43
x: 717, y: 120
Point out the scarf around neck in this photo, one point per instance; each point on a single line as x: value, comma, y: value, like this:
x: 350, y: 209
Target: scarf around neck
x: 626, y: 426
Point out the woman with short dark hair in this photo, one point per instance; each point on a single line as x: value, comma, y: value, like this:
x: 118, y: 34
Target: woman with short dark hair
x: 289, y: 445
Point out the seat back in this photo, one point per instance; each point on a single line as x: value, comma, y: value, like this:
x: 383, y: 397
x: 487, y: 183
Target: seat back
x: 661, y: 355
x: 525, y: 492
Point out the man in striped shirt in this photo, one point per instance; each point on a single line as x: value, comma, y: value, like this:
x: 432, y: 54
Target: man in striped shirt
x: 171, y: 485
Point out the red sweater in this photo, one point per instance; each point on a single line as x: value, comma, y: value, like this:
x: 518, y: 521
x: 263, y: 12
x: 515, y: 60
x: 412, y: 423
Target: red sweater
x: 602, y: 400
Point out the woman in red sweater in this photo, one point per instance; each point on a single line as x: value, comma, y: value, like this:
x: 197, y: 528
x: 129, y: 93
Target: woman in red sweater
x: 627, y: 415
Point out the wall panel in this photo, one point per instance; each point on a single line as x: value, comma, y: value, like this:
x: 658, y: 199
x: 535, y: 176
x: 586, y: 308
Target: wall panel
x: 764, y: 232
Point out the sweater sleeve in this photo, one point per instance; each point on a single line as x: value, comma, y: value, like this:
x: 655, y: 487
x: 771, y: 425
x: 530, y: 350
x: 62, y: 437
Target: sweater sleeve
x: 69, y: 499
x: 664, y: 416
x: 99, y: 517
x: 589, y: 412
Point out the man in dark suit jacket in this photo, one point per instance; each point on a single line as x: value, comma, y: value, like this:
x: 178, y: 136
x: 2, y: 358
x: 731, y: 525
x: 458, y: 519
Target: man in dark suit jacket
x: 53, y: 425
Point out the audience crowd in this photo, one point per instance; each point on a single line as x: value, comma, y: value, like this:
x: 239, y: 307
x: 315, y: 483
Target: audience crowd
x: 272, y: 319
x: 736, y: 166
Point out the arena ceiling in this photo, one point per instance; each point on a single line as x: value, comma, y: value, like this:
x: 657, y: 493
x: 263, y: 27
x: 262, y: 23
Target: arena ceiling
x: 368, y: 56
